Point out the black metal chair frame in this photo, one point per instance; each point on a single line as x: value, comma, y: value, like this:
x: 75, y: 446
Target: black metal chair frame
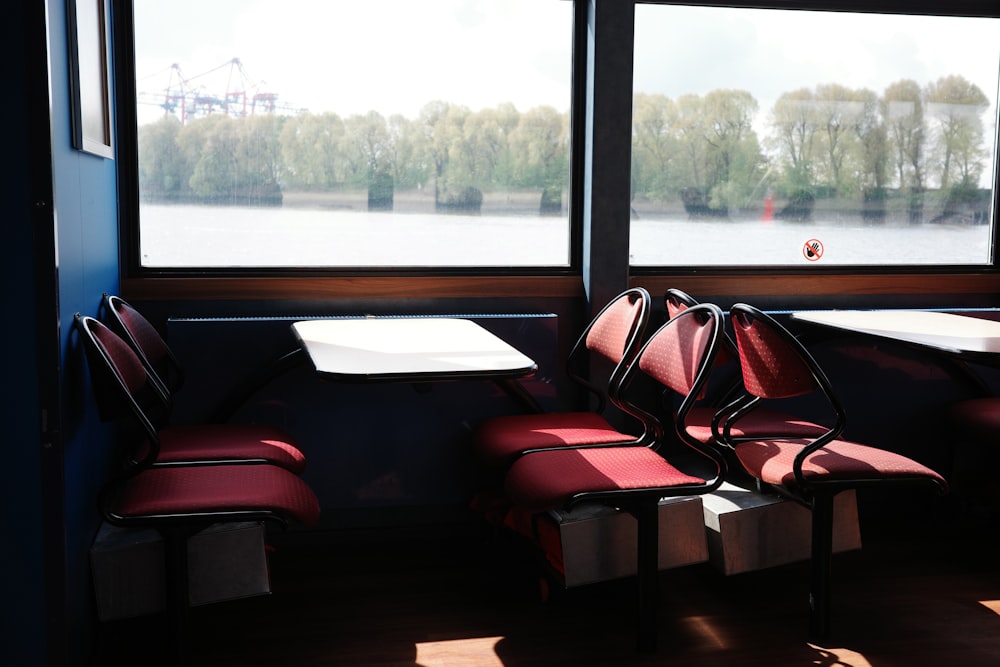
x: 578, y: 359
x: 168, y: 380
x: 816, y: 495
x: 643, y: 504
x: 175, y: 529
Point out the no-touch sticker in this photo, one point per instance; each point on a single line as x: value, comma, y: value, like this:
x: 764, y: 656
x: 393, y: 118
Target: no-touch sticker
x: 813, y: 249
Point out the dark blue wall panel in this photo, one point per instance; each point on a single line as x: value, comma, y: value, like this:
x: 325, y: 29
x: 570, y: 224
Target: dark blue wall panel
x: 86, y: 217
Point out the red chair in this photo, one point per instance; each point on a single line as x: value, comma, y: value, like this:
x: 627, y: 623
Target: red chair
x: 615, y: 335
x: 810, y: 470
x: 705, y: 419
x: 678, y: 358
x: 161, y: 364
x: 182, y: 500
x: 179, y: 500
x: 124, y: 389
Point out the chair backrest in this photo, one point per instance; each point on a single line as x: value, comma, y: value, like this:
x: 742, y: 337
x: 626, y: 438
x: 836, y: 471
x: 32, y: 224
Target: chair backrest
x: 677, y: 300
x: 776, y: 365
x: 679, y: 356
x: 161, y: 364
x: 121, y: 384
x: 615, y: 335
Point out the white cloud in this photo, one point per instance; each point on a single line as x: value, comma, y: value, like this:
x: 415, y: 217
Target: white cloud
x: 696, y: 49
x: 392, y: 56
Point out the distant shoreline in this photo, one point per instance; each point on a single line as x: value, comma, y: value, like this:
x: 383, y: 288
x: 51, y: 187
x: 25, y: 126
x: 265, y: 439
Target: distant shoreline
x: 411, y: 201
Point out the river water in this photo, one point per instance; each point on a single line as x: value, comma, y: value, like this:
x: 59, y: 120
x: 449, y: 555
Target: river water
x: 200, y: 236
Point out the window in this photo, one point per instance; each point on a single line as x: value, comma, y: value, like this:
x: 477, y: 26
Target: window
x: 802, y: 138
x: 383, y: 133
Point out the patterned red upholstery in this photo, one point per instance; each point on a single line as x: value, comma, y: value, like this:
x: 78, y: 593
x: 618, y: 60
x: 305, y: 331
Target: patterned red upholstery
x: 677, y: 301
x: 812, y: 469
x: 216, y: 489
x: 614, y: 334
x: 771, y: 368
x: 759, y: 422
x: 629, y: 477
x: 144, y: 333
x: 776, y: 365
x: 175, y: 444
x: 548, y: 479
x: 674, y: 355
x: 772, y: 461
x: 191, y: 442
x: 498, y: 441
x: 120, y: 355
x: 610, y: 333
x: 165, y: 371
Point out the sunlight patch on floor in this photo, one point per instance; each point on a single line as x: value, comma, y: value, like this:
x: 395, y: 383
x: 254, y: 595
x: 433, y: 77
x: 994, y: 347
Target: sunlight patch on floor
x: 703, y: 627
x: 992, y: 605
x: 471, y: 652
x: 839, y: 657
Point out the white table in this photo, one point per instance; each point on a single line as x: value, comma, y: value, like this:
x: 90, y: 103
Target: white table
x: 971, y: 338
x: 408, y: 349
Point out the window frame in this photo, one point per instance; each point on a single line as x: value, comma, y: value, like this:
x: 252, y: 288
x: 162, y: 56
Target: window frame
x: 965, y: 8
x: 128, y: 185
x: 572, y: 281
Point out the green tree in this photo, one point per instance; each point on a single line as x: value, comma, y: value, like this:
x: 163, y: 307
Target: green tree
x: 794, y: 125
x: 903, y: 113
x: 655, y: 146
x: 734, y: 153
x: 839, y: 115
x: 441, y: 124
x: 407, y: 154
x: 542, y: 141
x: 215, y: 140
x: 162, y: 169
x: 366, y: 147
x: 690, y: 132
x: 259, y: 161
x: 310, y: 148
x: 955, y: 108
x: 487, y: 145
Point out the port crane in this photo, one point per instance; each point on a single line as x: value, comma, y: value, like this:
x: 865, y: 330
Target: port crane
x: 225, y: 89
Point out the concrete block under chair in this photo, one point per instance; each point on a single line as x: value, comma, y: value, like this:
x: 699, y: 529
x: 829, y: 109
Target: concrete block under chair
x: 596, y: 543
x: 225, y: 562
x: 749, y: 531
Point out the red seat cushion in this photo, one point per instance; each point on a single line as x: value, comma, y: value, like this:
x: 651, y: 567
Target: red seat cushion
x: 500, y: 439
x: 208, y: 489
x: 546, y: 480
x: 758, y: 422
x: 839, y: 461
x: 200, y: 442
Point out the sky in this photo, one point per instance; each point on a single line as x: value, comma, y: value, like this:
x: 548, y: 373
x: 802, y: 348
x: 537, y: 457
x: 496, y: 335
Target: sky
x: 353, y: 57
x: 770, y: 52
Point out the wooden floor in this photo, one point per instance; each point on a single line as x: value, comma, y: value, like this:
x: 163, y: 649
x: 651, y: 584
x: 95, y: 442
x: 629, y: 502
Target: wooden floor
x: 926, y: 593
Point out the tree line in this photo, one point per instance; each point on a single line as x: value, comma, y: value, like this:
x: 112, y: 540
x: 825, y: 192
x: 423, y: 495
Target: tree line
x: 828, y: 141
x: 457, y: 152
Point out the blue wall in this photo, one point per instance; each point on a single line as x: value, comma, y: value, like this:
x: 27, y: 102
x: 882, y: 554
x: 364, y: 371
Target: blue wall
x: 87, y: 224
x: 60, y: 254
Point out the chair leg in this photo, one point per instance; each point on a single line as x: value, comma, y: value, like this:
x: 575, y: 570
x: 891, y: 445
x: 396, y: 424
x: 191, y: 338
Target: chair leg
x: 177, y: 599
x: 820, y: 567
x: 647, y: 568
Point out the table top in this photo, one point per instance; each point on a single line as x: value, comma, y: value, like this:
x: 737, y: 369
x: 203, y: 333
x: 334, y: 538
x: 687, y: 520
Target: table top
x: 961, y: 335
x: 408, y: 349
